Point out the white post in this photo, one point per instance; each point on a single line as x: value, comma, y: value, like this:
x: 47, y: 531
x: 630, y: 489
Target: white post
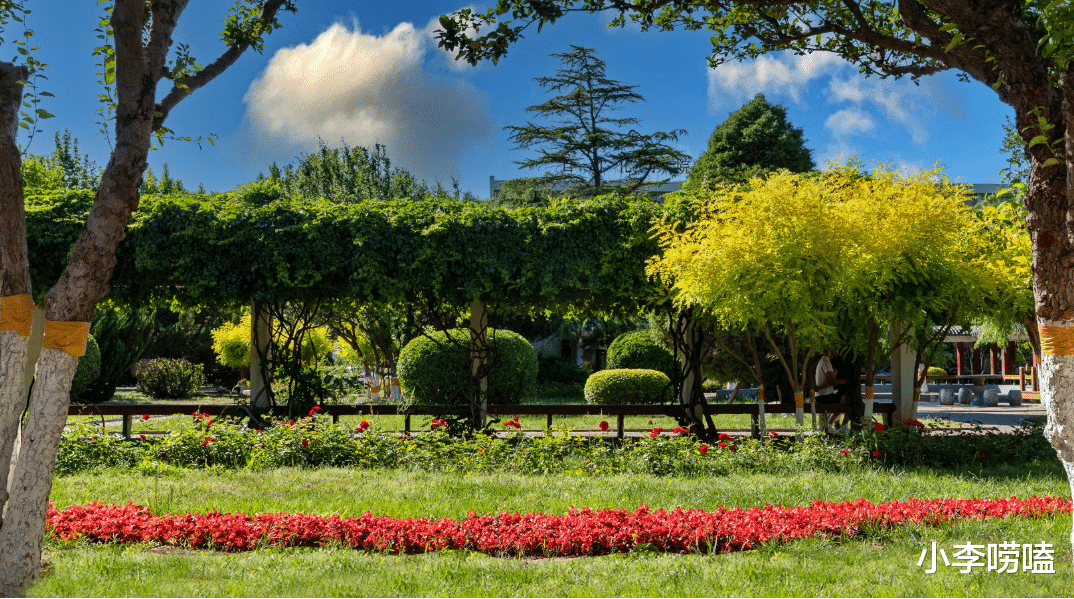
x: 260, y: 343
x: 902, y: 382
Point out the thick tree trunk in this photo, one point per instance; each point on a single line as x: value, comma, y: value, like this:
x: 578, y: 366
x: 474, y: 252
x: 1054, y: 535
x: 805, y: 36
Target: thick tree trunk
x: 12, y: 400
x: 24, y: 514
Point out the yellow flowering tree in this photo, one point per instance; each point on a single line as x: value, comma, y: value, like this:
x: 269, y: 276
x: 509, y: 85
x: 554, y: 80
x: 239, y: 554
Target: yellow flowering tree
x: 766, y: 257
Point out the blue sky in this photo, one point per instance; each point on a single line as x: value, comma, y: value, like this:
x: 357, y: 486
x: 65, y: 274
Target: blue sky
x: 370, y: 72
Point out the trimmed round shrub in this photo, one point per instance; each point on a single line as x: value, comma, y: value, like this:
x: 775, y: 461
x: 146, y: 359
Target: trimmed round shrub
x: 627, y: 386
x: 936, y: 371
x: 165, y: 378
x: 434, y: 370
x: 638, y: 349
x: 89, y: 367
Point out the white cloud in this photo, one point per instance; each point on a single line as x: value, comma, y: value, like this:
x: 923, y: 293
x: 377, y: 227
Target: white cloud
x: 783, y: 75
x: 366, y: 89
x: 849, y: 122
x: 860, y: 104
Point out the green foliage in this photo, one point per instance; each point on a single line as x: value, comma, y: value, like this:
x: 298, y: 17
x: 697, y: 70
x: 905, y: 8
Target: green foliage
x: 434, y: 369
x: 231, y: 342
x: 553, y: 371
x: 313, y: 441
x: 165, y: 378
x: 54, y: 220
x: 628, y: 386
x: 639, y: 349
x: 62, y: 170
x: 585, y: 147
x: 754, y: 140
x: 347, y: 174
x: 89, y: 367
x: 936, y: 371
x: 123, y: 334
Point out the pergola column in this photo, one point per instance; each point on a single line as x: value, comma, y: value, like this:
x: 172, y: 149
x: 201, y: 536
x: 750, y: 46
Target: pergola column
x: 479, y: 323
x: 260, y: 345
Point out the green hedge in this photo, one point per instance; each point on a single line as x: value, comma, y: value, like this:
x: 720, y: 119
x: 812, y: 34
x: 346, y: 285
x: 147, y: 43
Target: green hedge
x: 433, y: 370
x: 89, y: 367
x: 627, y: 386
x: 638, y: 349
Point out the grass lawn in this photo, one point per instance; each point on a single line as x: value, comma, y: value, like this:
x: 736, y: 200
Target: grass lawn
x: 884, y: 564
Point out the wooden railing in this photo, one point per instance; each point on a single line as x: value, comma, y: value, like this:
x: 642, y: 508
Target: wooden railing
x: 129, y: 411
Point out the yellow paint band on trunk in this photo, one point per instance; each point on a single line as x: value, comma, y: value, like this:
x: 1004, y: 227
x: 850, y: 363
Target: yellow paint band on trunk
x: 799, y: 400
x: 375, y: 389
x: 1056, y: 341
x: 869, y: 393
x: 917, y: 395
x: 760, y: 394
x: 17, y: 314
x: 68, y: 337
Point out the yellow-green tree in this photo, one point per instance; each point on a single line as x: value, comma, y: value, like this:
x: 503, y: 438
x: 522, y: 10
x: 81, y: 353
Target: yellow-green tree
x: 911, y: 270
x: 767, y: 257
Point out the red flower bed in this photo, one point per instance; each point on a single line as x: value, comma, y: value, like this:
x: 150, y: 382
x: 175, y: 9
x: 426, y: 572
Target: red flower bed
x: 580, y: 532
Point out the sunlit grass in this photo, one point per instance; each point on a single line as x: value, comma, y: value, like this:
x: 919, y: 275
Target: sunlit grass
x: 883, y: 565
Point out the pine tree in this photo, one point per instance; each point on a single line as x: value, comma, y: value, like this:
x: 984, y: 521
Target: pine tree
x: 755, y: 139
x: 585, y: 149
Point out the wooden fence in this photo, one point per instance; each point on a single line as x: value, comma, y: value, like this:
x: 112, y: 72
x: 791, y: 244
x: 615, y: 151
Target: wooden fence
x: 129, y: 411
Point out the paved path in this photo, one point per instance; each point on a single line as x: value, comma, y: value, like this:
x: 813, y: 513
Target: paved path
x: 1004, y: 418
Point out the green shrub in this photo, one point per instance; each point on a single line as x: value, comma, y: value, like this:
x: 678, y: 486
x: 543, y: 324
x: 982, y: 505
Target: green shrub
x: 936, y: 371
x: 553, y: 371
x: 122, y: 334
x: 434, y: 370
x: 638, y: 349
x: 89, y: 367
x: 627, y: 386
x: 165, y: 378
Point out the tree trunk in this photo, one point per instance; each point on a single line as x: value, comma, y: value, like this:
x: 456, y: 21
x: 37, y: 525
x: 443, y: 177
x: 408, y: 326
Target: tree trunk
x: 24, y: 514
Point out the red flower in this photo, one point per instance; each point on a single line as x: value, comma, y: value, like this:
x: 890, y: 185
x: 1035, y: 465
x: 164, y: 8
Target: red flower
x: 305, y: 443
x: 650, y: 422
x: 207, y: 441
x: 655, y: 432
x: 681, y: 431
x: 142, y: 436
x: 846, y: 451
x: 913, y: 422
x: 876, y: 454
x: 210, y: 423
x: 362, y: 426
x: 603, y: 425
x: 437, y: 423
x: 773, y: 434
x: 733, y: 448
x: 513, y: 423
x: 703, y: 449
x: 145, y: 416
x: 878, y: 427
x: 290, y: 423
x: 258, y: 431
x: 314, y: 410
x: 725, y: 437
x: 721, y: 445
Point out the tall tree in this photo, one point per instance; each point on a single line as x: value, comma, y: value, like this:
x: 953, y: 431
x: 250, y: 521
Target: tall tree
x: 756, y: 139
x: 1021, y: 49
x: 590, y: 151
x: 137, y: 54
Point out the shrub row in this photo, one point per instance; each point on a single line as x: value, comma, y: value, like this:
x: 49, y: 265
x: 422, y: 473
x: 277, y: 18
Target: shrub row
x: 314, y: 442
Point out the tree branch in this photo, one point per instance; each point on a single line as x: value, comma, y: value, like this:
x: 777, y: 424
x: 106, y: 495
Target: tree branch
x: 187, y: 85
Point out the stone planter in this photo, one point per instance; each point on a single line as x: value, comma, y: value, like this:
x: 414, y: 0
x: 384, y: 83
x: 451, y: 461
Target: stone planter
x: 947, y: 397
x: 1014, y: 398
x: 965, y: 396
x: 991, y: 398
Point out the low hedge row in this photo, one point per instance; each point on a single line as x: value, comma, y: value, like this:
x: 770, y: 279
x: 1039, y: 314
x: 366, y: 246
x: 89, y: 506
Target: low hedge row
x: 314, y: 442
